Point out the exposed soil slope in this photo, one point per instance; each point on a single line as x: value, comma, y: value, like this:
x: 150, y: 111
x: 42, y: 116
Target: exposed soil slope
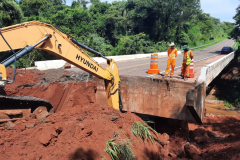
x: 80, y: 128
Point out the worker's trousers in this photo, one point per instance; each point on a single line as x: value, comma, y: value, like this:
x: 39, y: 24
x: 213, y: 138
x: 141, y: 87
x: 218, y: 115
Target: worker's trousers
x: 172, y: 64
x: 185, y: 70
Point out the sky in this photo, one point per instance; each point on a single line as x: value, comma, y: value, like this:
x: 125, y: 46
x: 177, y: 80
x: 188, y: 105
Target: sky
x: 224, y: 10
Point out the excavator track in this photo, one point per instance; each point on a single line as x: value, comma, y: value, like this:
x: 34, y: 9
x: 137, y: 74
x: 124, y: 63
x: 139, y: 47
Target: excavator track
x: 15, y: 107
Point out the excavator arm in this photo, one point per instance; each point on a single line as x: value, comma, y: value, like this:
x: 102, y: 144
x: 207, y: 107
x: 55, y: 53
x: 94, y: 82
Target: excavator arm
x: 46, y: 37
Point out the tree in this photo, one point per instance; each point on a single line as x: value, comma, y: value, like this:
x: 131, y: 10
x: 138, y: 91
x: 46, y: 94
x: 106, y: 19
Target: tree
x: 229, y: 27
x: 10, y: 13
x: 84, y: 3
x: 34, y: 7
x: 98, y: 21
x: 79, y: 3
x: 116, y: 22
x: 74, y: 21
x: 236, y: 32
x: 94, y: 1
x: 161, y: 19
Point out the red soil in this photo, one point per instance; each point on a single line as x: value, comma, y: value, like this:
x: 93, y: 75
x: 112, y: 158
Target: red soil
x: 30, y: 77
x: 75, y: 133
x: 80, y: 128
x: 217, y: 138
x: 33, y: 76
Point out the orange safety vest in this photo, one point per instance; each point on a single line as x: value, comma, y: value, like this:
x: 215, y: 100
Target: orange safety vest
x: 188, y: 58
x: 172, y: 55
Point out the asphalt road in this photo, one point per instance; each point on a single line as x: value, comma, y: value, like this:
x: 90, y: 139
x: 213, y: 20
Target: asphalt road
x: 139, y: 67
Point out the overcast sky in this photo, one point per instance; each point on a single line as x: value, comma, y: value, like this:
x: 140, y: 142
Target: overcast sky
x: 224, y: 10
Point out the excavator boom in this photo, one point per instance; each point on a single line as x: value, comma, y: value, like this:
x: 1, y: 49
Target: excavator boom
x: 38, y: 35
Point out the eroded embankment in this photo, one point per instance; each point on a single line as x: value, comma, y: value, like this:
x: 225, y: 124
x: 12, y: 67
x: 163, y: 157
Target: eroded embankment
x: 62, y: 95
x: 80, y: 127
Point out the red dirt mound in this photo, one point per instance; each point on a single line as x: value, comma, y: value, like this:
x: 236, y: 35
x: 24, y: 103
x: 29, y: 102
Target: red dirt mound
x: 33, y: 76
x: 218, y: 137
x: 76, y: 133
x: 79, y: 129
x: 30, y: 77
x: 61, y: 95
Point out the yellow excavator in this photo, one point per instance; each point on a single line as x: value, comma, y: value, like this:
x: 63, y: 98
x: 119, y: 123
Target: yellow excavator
x: 37, y: 35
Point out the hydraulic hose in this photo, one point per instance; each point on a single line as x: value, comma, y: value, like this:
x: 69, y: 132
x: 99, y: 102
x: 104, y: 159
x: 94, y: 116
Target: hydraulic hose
x: 98, y: 54
x: 24, y: 51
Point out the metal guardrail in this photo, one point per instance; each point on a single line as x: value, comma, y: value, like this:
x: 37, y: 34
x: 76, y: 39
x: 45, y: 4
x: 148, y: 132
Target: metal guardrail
x: 203, y: 45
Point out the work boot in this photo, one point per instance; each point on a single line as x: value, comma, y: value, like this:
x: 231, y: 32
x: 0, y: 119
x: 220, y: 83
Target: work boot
x: 185, y: 78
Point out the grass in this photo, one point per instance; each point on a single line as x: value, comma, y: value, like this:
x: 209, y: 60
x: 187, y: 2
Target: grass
x: 203, y: 43
x: 228, y: 104
x: 151, y: 122
x: 215, y: 98
x: 142, y: 130
x: 236, y: 45
x: 120, y: 150
x: 218, y: 40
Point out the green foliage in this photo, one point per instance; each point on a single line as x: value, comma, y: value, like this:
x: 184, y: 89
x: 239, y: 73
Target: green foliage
x: 131, y: 45
x: 97, y: 43
x: 236, y: 45
x: 142, y: 130
x: 236, y: 32
x: 231, y: 94
x: 215, y: 98
x: 120, y: 150
x: 228, y: 104
x: 161, y: 20
x: 200, y: 43
x: 94, y: 1
x: 137, y: 44
x: 10, y: 13
x: 34, y: 7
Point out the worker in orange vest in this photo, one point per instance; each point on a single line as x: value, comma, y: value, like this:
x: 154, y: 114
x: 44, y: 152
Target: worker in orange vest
x: 172, y: 54
x: 187, y: 57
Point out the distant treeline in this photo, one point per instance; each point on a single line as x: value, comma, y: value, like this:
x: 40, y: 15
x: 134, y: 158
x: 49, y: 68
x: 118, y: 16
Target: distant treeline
x: 123, y: 27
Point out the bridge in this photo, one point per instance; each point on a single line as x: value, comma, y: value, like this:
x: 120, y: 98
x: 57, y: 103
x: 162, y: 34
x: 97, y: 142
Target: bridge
x: 165, y: 97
